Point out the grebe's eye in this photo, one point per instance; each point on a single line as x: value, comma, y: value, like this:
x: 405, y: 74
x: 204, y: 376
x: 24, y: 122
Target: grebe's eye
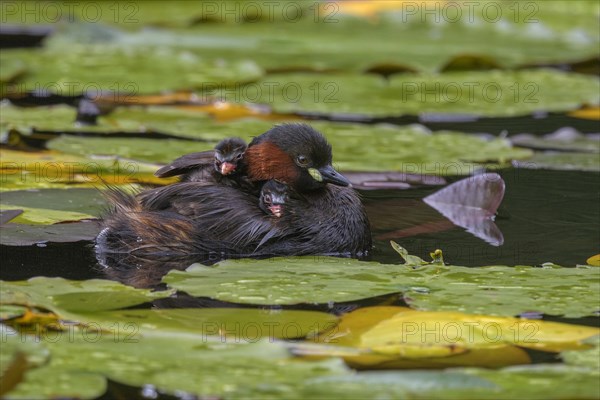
x: 267, y: 198
x: 239, y: 156
x: 302, y: 160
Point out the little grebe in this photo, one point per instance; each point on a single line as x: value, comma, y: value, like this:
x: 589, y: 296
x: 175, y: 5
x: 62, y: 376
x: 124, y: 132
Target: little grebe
x: 207, y: 217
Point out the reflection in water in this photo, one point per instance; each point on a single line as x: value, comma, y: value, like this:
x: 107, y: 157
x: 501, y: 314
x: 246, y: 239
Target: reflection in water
x: 472, y: 204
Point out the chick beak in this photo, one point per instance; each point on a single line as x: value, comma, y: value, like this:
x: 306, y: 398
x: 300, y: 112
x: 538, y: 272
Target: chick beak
x: 227, y: 168
x: 330, y: 175
x: 276, y: 210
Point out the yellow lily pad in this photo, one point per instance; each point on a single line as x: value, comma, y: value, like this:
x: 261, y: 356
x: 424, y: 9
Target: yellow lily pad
x: 594, y: 260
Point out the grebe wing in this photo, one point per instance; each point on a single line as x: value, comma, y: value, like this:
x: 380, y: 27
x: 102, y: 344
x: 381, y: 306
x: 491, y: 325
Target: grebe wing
x: 187, y: 163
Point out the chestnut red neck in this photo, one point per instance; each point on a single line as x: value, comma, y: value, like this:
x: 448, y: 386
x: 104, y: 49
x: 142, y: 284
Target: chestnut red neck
x: 267, y: 161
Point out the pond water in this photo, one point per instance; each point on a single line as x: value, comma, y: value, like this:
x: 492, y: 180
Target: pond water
x: 546, y: 216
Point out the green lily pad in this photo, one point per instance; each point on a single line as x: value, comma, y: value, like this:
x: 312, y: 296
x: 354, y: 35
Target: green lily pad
x: 228, y: 324
x: 492, y: 290
x: 291, y: 280
x: 326, y: 37
x: 490, y: 93
x: 48, y: 206
x: 27, y: 235
x: 561, y: 161
x: 147, y: 150
x: 261, y: 370
x: 232, y: 54
x: 57, y: 118
x: 44, y: 383
x: 170, y: 120
x: 401, y: 385
x: 522, y: 382
x: 585, y: 358
x: 565, y: 139
x: 71, y: 69
x: 140, y: 13
x: 8, y: 311
x: 541, y: 382
x: 47, y: 169
x: 62, y: 296
x: 44, y: 215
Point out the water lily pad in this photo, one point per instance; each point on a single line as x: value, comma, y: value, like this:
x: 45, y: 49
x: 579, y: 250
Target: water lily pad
x: 62, y: 296
x: 387, y: 329
x: 235, y: 325
x: 561, y: 161
x: 489, y: 93
x: 531, y: 382
x: 290, y: 280
x: 48, y: 206
x: 8, y: 311
x: 261, y: 370
x: 594, y: 260
x: 396, y: 337
x: 585, y: 358
x: 322, y: 36
x: 406, y: 384
x: 565, y: 139
x: 47, y: 169
x: 17, y: 357
x: 541, y: 382
x: 27, y: 235
x: 494, y: 290
x: 69, y: 68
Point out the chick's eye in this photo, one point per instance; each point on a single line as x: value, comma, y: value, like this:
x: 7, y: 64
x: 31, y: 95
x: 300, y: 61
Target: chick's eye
x: 302, y: 160
x: 239, y: 156
x: 267, y: 198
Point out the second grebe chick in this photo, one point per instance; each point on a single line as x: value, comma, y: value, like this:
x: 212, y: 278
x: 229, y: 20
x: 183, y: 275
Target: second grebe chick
x: 273, y: 198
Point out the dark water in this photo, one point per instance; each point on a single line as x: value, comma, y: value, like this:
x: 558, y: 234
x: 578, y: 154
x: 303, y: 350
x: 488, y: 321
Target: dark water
x: 546, y: 216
